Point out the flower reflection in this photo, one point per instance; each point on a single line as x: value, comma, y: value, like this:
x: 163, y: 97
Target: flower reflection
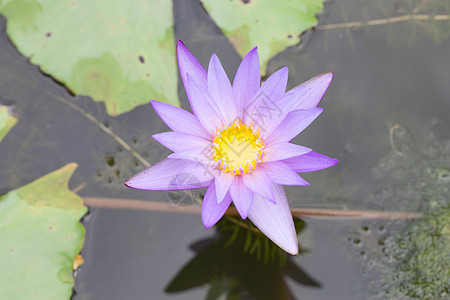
x: 240, y: 263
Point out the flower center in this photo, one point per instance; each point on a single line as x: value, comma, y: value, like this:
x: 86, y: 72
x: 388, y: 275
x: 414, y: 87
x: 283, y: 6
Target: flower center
x: 238, y: 148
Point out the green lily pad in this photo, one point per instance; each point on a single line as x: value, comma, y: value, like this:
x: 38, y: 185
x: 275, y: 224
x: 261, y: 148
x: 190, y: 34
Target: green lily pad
x: 41, y: 234
x: 121, y: 53
x: 270, y: 26
x: 6, y: 121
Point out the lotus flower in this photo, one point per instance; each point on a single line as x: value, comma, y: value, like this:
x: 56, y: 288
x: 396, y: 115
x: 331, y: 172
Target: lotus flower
x: 237, y: 142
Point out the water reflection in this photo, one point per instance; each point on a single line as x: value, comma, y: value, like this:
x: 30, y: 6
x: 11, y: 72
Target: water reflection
x: 241, y: 263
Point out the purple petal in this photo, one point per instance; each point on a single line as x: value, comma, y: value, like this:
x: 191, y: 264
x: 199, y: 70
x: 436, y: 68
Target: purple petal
x: 223, y: 181
x: 247, y: 80
x: 180, y: 120
x: 266, y: 114
x: 279, y: 112
x: 202, y: 167
x: 202, y: 172
x: 259, y: 182
x: 203, y: 106
x: 180, y: 141
x: 282, y: 151
x: 195, y: 154
x: 279, y: 172
x: 264, y: 105
x: 294, y: 123
x: 311, y: 92
x: 211, y: 210
x: 242, y: 196
x: 275, y: 86
x: 188, y: 64
x: 219, y: 88
x: 166, y: 175
x: 310, y: 162
x: 275, y: 220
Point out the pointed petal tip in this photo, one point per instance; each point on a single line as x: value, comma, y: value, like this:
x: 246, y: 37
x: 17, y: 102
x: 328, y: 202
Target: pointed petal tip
x: 275, y: 220
x: 207, y: 222
x: 128, y: 183
x: 181, y: 47
x: 155, y: 104
x: 328, y: 76
x: 292, y: 250
x: 214, y: 57
x: 212, y: 211
x: 253, y: 50
x: 131, y: 183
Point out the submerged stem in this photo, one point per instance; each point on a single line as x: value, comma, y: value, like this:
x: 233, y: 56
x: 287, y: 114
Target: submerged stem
x: 297, y: 212
x: 404, y: 18
x: 102, y: 127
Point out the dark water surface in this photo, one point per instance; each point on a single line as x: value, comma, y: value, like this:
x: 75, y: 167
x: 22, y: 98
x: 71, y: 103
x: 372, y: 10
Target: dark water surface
x: 387, y: 76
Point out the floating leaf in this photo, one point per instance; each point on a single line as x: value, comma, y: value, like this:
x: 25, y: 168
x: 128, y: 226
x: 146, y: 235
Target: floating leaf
x: 122, y: 54
x: 262, y: 23
x: 41, y: 234
x: 6, y: 121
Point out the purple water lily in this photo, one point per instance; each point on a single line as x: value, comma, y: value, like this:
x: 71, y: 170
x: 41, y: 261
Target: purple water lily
x: 237, y: 142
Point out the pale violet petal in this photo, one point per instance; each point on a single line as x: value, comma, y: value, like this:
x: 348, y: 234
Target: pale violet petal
x: 211, y: 210
x: 203, y: 106
x: 259, y: 182
x: 202, y: 172
x: 266, y: 115
x: 264, y: 106
x: 219, y: 88
x: 279, y: 172
x: 223, y: 181
x: 282, y: 151
x: 247, y: 80
x: 195, y: 154
x: 310, y: 162
x: 242, y: 196
x: 203, y: 166
x: 310, y: 93
x: 180, y: 120
x: 294, y: 123
x: 188, y: 64
x: 275, y: 220
x: 180, y: 141
x: 167, y: 174
x: 277, y: 115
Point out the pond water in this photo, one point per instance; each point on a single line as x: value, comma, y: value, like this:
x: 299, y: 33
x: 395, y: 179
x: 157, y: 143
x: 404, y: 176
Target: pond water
x: 386, y: 119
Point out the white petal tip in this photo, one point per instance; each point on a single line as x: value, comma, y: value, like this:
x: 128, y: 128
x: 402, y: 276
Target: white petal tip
x: 292, y: 250
x: 327, y: 77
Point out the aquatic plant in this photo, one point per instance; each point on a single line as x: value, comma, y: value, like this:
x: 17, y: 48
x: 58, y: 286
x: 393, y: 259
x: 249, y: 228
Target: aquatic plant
x: 237, y: 142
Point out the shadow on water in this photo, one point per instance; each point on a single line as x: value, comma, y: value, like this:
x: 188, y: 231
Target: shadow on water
x: 240, y: 263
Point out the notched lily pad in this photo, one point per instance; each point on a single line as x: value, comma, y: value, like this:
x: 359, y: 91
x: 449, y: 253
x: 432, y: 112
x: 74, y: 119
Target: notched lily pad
x: 41, y: 234
x: 122, y: 54
x: 261, y: 23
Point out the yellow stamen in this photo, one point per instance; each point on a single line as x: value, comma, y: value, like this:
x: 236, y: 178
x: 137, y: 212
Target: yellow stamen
x: 238, y: 148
